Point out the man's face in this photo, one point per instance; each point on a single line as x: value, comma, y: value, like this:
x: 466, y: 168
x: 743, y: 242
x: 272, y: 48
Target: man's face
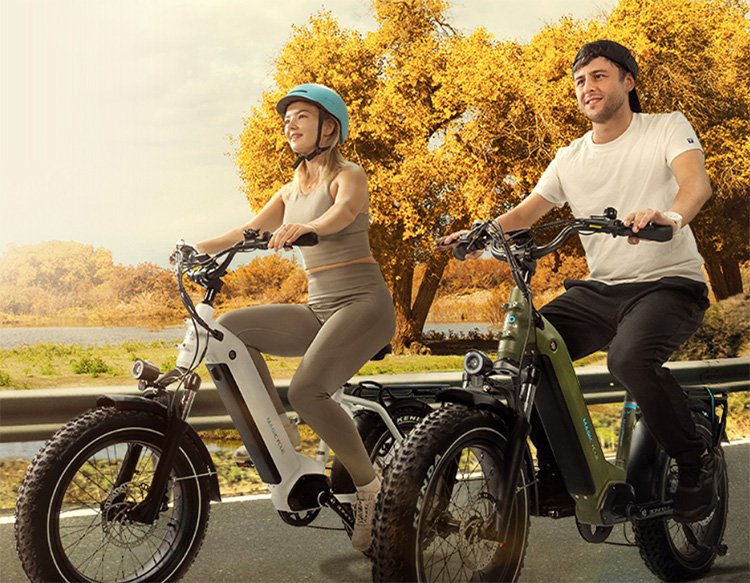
x: 600, y: 89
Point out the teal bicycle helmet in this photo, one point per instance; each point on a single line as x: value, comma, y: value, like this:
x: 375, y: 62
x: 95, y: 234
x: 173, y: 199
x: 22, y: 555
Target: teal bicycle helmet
x: 325, y: 99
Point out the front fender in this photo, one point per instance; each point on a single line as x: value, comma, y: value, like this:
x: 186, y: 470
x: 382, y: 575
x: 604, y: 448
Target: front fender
x: 474, y: 399
x: 205, y: 467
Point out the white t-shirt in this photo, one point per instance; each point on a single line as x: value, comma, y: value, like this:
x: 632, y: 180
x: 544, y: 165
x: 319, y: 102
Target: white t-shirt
x: 630, y: 173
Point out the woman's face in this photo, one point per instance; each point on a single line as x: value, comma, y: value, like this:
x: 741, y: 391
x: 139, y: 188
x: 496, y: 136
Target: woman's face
x: 301, y: 127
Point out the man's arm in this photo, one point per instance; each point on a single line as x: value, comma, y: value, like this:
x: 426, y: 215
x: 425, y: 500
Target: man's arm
x: 689, y: 170
x: 528, y: 212
x: 531, y: 209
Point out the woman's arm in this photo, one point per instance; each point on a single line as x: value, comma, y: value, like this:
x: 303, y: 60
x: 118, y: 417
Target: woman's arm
x: 351, y: 199
x: 268, y: 219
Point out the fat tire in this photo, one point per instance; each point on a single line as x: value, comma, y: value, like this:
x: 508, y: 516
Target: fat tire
x: 398, y: 514
x: 58, y: 462
x: 654, y: 537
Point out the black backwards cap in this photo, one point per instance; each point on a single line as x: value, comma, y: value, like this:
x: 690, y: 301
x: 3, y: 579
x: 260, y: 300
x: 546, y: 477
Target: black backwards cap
x: 616, y: 53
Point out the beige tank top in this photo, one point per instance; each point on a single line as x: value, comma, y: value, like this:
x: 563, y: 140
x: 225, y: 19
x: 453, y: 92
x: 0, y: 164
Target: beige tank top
x: 350, y: 243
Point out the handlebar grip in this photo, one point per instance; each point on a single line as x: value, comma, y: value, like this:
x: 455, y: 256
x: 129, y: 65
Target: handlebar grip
x: 654, y: 232
x: 306, y: 240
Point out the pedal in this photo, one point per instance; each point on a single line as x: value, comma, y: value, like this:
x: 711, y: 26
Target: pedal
x: 347, y: 516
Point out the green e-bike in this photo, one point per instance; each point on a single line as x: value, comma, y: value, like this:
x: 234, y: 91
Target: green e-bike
x: 456, y: 503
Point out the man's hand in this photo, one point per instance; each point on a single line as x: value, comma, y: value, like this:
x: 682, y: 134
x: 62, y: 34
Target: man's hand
x: 450, y: 241
x: 639, y: 219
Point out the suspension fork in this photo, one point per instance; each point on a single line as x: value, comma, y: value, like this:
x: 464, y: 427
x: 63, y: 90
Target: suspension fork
x: 517, y: 447
x: 148, y: 510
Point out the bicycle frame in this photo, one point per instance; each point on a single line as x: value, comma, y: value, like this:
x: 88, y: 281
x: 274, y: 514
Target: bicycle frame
x: 562, y: 409
x: 294, y: 479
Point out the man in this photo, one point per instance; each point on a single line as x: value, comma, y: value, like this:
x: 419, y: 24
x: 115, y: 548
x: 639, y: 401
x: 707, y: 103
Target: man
x: 642, y: 299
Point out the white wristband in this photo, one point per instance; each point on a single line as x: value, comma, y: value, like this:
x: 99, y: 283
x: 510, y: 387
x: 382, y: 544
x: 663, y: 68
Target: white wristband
x: 674, y: 216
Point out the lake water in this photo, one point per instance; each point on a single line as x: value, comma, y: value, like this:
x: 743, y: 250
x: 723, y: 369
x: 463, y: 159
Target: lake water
x: 91, y: 336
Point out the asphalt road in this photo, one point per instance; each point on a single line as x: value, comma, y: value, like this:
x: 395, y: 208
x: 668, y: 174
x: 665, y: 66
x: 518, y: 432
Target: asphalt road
x: 246, y: 541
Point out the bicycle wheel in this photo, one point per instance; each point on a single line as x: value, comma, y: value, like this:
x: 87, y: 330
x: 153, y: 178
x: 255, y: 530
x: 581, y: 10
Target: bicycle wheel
x: 440, y: 496
x: 73, y: 512
x: 681, y: 552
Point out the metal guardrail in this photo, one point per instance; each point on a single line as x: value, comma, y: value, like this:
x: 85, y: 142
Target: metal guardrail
x: 28, y: 415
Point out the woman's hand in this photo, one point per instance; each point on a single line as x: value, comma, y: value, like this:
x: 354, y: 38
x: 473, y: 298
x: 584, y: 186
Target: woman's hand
x: 288, y: 234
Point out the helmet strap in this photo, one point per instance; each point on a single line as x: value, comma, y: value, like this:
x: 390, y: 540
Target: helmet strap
x: 318, y: 150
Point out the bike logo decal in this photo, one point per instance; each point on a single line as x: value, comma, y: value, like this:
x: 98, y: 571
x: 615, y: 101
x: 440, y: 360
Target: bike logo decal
x: 275, y: 435
x: 591, y: 437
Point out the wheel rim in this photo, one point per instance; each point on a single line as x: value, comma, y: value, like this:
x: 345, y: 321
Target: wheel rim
x: 707, y: 532
x: 89, y: 525
x: 459, y: 500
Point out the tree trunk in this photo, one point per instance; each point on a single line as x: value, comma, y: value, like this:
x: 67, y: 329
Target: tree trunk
x: 402, y: 288
x: 410, y: 317
x: 428, y: 288
x: 724, y: 275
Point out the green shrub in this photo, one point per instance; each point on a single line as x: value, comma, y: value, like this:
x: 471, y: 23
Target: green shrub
x: 92, y: 366
x: 724, y: 331
x: 5, y: 380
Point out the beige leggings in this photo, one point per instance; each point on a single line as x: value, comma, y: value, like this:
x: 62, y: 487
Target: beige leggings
x: 348, y: 319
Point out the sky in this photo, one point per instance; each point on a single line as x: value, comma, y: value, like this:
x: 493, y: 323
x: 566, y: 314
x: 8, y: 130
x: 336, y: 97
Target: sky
x: 116, y: 115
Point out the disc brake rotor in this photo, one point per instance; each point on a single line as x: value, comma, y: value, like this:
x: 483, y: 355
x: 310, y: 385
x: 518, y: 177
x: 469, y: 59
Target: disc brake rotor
x: 117, y: 525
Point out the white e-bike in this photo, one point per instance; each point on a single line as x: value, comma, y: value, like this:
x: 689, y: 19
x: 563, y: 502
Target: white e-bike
x: 122, y: 492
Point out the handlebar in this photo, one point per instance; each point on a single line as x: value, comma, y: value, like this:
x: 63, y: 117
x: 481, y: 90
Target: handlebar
x: 202, y: 269
x: 207, y: 271
x: 522, y: 244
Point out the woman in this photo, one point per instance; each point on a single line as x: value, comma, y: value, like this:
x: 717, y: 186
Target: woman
x: 349, y: 316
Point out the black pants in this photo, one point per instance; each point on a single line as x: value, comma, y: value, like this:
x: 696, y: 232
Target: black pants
x: 643, y: 324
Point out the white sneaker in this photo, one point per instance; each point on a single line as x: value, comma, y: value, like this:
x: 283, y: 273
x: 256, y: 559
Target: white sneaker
x: 241, y: 456
x: 364, y: 515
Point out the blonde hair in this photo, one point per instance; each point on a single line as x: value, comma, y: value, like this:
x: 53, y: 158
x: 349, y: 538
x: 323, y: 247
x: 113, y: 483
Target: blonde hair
x: 332, y: 161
